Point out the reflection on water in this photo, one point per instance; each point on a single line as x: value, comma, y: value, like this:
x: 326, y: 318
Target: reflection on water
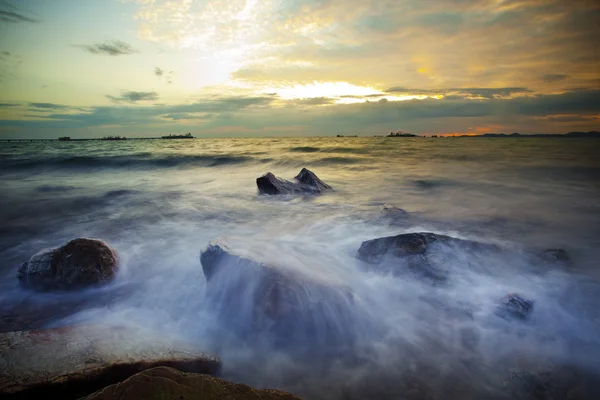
x: 160, y: 202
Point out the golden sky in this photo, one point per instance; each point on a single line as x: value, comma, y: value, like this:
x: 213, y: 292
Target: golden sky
x: 290, y: 67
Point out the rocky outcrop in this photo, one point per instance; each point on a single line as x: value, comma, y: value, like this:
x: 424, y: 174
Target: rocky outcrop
x: 74, y: 361
x: 411, y: 252
x: 254, y: 298
x: 167, y: 383
x: 305, y: 182
x: 514, y: 305
x: 79, y: 263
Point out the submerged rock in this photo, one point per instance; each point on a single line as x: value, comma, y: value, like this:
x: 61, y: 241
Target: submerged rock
x: 412, y: 252
x: 555, y: 256
x: 305, y: 182
x: 393, y: 212
x: 168, y: 383
x: 79, y: 263
x: 252, y: 297
x: 74, y: 361
x: 514, y: 305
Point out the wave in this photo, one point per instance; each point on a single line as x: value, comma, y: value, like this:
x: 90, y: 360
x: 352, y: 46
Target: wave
x: 339, y: 160
x: 304, y: 149
x: 142, y: 160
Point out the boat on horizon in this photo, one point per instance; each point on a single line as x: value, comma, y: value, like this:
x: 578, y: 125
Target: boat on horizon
x: 186, y: 136
x: 64, y: 138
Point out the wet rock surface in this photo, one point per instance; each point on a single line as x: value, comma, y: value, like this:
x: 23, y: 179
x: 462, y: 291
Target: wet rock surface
x: 78, y: 264
x: 411, y: 252
x: 167, y: 383
x: 74, y: 361
x: 514, y: 305
x: 305, y: 182
x: 256, y: 298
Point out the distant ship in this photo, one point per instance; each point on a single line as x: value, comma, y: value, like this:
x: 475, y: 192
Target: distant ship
x: 64, y: 138
x: 186, y: 136
x: 114, y: 138
x: 401, y: 134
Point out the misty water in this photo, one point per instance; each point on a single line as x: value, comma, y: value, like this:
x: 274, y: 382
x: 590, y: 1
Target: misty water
x: 160, y: 202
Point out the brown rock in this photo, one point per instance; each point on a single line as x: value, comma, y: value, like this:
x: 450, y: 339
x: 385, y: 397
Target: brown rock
x: 168, y: 383
x: 78, y: 264
x: 74, y: 361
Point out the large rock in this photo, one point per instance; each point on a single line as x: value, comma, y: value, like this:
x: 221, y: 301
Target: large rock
x: 74, y: 361
x: 255, y: 298
x: 78, y: 264
x: 167, y: 383
x: 413, y: 252
x: 305, y: 182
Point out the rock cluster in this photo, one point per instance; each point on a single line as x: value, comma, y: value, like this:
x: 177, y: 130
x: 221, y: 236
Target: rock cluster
x: 306, y: 182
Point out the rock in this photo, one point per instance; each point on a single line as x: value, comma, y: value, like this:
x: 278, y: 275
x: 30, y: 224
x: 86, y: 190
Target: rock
x: 74, y: 361
x: 78, y: 264
x: 305, y: 182
x: 252, y: 298
x: 393, y: 212
x: 412, y: 251
x: 514, y: 305
x: 168, y: 383
x: 555, y: 256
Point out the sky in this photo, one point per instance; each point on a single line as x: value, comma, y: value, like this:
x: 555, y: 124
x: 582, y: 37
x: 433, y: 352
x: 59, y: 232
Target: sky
x: 216, y: 68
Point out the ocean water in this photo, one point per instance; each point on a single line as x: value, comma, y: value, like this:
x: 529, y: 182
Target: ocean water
x: 159, y: 202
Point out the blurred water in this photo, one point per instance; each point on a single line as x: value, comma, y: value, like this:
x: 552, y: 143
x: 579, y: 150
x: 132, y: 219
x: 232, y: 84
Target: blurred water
x: 160, y: 202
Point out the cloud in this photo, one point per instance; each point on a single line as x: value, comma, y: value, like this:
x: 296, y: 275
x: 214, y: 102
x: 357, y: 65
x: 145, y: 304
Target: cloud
x: 46, y: 106
x: 112, y: 48
x: 550, y: 78
x: 537, y: 113
x: 3, y: 105
x: 11, y: 14
x: 133, y: 97
x: 487, y: 93
x: 158, y: 71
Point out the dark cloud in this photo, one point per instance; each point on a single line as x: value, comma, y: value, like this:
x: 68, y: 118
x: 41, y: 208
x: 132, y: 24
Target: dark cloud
x: 313, y: 101
x: 47, y: 106
x: 133, y: 97
x: 158, y: 71
x: 454, y: 93
x: 256, y: 113
x: 11, y: 14
x: 112, y: 48
x: 550, y: 78
x: 2, y: 105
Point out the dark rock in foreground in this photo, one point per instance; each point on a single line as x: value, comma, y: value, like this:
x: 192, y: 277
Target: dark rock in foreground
x: 305, y: 182
x: 411, y: 251
x: 74, y: 361
x: 515, y: 306
x: 168, y: 383
x: 78, y: 264
x: 251, y: 298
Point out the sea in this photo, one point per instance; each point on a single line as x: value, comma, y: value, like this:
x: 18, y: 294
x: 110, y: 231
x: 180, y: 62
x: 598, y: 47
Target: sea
x: 160, y: 202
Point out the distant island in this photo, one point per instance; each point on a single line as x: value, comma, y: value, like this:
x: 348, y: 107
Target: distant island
x: 401, y: 134
x: 114, y: 138
x: 186, y: 136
